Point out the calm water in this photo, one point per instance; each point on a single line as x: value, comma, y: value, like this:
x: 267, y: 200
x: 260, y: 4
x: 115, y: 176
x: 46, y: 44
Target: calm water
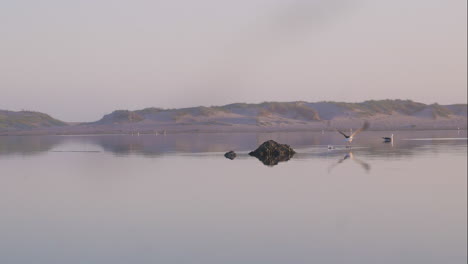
x: 176, y: 199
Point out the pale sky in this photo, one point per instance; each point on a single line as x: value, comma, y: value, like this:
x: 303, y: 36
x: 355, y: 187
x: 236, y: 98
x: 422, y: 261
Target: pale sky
x: 78, y: 60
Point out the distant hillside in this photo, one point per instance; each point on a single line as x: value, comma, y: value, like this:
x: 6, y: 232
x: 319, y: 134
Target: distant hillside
x: 10, y: 120
x: 268, y: 116
x: 285, y: 112
x: 120, y: 116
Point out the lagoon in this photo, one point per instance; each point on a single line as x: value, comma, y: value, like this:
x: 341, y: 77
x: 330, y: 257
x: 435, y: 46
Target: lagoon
x: 176, y: 199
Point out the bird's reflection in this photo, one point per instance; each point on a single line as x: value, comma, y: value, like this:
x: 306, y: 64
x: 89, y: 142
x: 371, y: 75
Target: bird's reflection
x: 350, y: 156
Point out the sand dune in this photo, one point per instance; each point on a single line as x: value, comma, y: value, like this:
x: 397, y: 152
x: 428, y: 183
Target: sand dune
x: 271, y: 116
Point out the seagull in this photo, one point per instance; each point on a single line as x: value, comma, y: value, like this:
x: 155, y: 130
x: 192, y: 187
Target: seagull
x: 350, y: 138
x: 388, y: 139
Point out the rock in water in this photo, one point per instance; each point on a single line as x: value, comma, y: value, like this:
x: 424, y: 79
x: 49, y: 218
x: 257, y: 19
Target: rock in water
x: 271, y: 152
x: 230, y: 155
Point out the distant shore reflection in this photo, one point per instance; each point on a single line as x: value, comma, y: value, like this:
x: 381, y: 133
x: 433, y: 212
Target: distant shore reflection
x: 308, y: 145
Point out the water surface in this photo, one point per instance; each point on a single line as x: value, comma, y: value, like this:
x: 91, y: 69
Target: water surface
x: 176, y: 199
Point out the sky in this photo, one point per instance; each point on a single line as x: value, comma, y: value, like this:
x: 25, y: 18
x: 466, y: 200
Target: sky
x: 79, y: 60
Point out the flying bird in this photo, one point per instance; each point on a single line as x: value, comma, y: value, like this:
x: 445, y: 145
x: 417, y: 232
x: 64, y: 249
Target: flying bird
x: 350, y: 138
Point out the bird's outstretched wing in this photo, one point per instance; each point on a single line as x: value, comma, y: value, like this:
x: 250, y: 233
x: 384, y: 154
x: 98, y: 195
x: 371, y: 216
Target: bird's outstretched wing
x: 364, y: 127
x: 346, y: 136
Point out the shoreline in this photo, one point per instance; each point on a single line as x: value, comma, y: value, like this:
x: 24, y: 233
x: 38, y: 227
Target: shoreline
x: 176, y: 132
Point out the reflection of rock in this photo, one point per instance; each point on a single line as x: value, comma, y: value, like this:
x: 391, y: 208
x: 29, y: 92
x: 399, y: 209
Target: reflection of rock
x: 230, y: 155
x: 271, y: 152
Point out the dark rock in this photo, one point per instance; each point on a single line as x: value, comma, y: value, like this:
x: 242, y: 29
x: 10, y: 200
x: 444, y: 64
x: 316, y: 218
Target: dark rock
x: 230, y: 155
x: 271, y: 152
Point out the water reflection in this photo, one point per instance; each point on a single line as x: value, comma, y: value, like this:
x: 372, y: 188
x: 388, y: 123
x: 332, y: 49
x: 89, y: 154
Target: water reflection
x: 350, y: 156
x: 308, y: 145
x: 176, y: 199
x: 24, y: 145
x: 274, y: 160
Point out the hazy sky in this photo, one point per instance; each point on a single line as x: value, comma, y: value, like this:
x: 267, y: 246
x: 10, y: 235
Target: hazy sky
x: 78, y: 60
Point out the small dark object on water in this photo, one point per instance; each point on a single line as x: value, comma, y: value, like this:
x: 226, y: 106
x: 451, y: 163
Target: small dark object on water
x: 230, y: 155
x: 272, y: 152
x: 388, y: 139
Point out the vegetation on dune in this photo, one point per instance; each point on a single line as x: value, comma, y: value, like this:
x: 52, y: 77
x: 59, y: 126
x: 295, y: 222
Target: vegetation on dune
x: 364, y: 109
x: 120, y: 116
x: 27, y: 120
x: 178, y: 115
x: 439, y: 111
x: 149, y: 111
x: 238, y: 106
x: 209, y: 111
x: 295, y: 110
x: 407, y: 107
x: 301, y: 110
x: 198, y: 111
x: 373, y: 107
x: 459, y: 109
x: 265, y: 113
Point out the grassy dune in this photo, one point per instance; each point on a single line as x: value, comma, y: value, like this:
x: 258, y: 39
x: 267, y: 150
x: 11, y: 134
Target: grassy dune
x: 27, y: 120
x: 383, y: 114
